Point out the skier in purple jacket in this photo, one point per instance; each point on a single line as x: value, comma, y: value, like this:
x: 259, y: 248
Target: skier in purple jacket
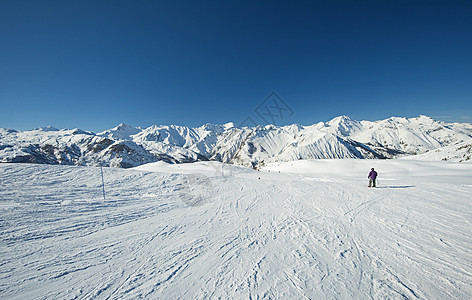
x: 372, y: 176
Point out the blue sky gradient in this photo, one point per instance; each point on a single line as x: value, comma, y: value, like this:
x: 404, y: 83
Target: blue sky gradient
x: 95, y: 64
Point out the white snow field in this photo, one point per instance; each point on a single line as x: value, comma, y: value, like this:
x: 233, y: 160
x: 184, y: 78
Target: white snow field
x: 213, y: 231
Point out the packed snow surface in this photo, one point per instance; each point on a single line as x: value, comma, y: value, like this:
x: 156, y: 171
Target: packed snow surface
x: 294, y: 230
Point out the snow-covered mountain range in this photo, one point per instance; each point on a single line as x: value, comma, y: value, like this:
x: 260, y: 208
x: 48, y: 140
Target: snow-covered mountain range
x: 127, y: 146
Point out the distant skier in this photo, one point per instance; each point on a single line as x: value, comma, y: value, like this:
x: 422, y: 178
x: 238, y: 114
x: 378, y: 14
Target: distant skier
x: 372, y: 176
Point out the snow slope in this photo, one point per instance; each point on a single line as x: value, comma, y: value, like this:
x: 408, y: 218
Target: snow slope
x: 127, y: 146
x: 208, y: 230
x: 459, y: 152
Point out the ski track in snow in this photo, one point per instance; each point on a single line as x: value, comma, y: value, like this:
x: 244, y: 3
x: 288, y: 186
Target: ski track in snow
x: 231, y: 235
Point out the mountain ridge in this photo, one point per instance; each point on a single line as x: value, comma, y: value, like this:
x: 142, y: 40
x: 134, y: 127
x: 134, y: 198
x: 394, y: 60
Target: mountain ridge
x: 129, y: 146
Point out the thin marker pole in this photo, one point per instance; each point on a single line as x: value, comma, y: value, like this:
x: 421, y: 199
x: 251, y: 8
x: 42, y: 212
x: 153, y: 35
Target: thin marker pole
x: 103, y: 181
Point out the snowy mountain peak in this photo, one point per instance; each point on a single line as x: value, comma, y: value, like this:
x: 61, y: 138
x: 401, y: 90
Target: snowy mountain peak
x: 124, y: 127
x: 424, y: 120
x: 47, y: 128
x: 342, y: 125
x: 77, y: 131
x: 340, y: 119
x: 121, y: 132
x: 213, y: 127
x: 229, y: 125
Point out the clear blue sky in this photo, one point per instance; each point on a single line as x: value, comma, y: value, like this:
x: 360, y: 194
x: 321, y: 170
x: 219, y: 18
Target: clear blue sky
x: 95, y: 64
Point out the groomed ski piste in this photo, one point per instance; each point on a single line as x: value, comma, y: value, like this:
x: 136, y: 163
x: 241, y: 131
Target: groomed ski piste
x: 294, y: 230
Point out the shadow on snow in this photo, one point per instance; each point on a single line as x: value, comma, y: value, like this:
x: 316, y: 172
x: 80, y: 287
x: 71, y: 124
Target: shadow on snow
x: 395, y: 187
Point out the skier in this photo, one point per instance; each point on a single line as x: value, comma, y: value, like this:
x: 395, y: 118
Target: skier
x: 372, y: 176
